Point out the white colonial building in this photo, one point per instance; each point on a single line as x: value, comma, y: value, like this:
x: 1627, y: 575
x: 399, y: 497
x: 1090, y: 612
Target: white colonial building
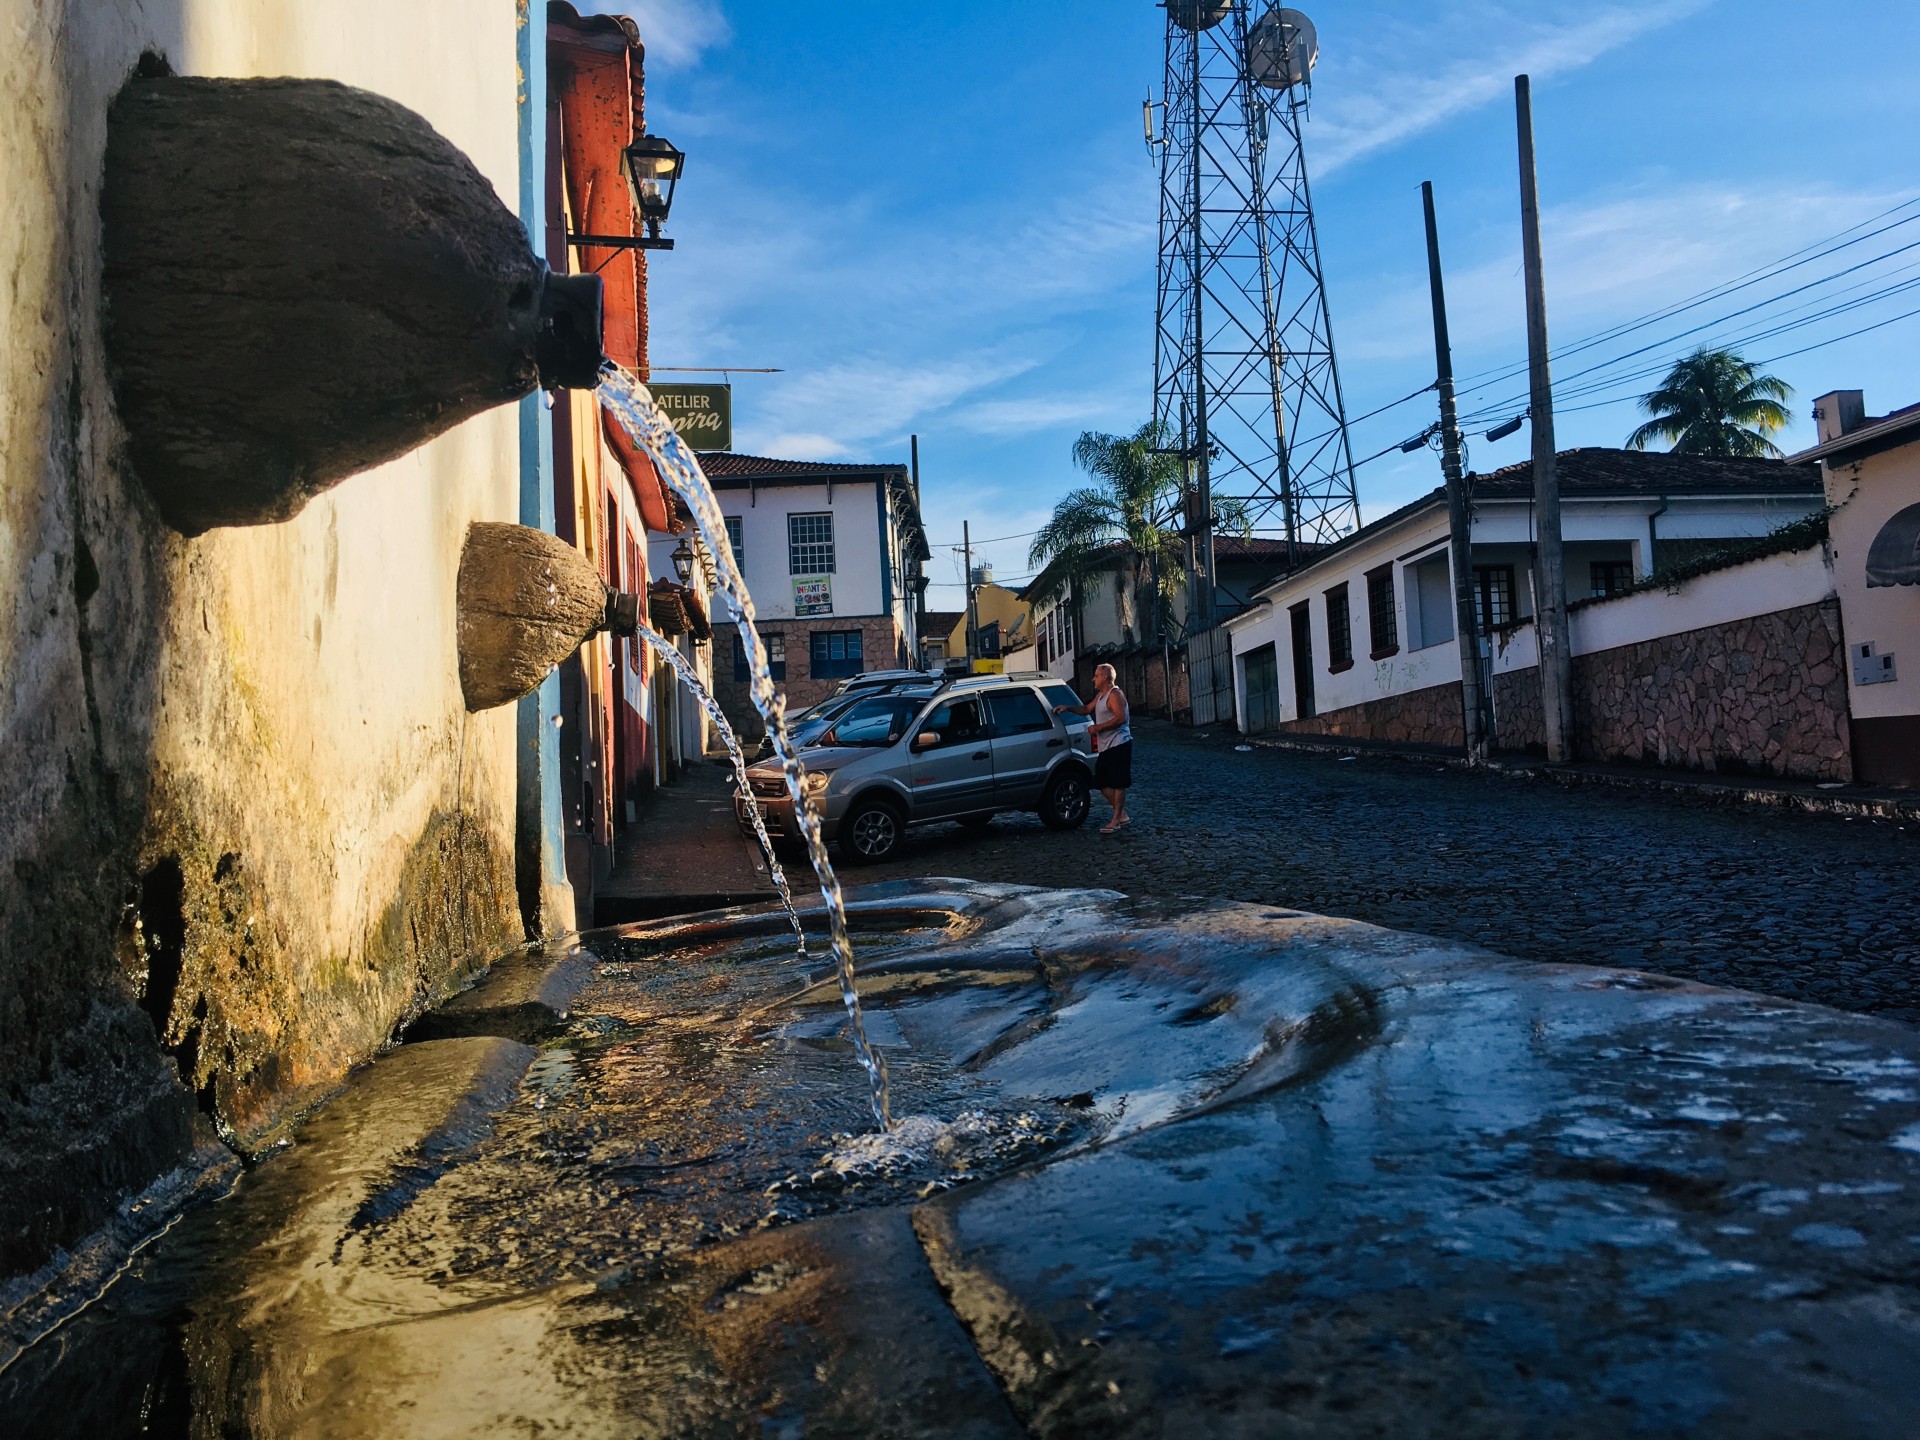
x: 834, y: 556
x: 1360, y: 641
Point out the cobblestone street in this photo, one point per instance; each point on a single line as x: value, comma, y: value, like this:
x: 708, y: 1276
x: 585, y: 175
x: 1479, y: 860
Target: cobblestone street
x: 1813, y: 907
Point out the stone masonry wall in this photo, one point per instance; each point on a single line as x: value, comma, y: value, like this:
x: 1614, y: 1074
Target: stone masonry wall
x: 1760, y: 696
x: 880, y: 649
x: 1417, y: 717
x: 1142, y: 678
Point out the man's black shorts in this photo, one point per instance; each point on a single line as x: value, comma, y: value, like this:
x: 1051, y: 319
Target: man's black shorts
x: 1113, y: 769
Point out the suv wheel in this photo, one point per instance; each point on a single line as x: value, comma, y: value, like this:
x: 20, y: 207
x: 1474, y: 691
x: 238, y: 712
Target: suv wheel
x: 1064, y: 806
x: 872, y: 833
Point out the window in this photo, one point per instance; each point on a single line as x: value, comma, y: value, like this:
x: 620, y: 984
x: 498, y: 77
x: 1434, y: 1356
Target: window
x: 1430, y: 601
x: 776, y: 644
x: 737, y: 540
x: 810, y: 544
x: 1381, y: 621
x: 1610, y: 577
x: 957, y: 723
x: 1339, y: 630
x: 1060, y: 695
x: 877, y: 720
x: 836, y: 654
x: 1493, y: 597
x: 1018, y: 712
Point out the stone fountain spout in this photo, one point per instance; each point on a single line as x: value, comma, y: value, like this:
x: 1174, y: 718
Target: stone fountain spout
x: 304, y: 280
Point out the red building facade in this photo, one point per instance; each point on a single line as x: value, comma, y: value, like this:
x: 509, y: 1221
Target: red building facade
x: 607, y: 497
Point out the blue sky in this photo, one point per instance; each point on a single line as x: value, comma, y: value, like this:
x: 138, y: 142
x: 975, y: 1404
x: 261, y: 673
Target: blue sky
x: 941, y: 218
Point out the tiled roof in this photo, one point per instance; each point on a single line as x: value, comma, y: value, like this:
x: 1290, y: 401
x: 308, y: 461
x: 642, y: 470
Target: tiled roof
x: 1871, y: 435
x: 941, y: 622
x: 1594, y: 470
x: 725, y: 465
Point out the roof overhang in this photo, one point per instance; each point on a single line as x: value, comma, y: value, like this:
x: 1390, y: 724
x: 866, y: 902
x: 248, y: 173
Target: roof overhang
x: 1887, y: 433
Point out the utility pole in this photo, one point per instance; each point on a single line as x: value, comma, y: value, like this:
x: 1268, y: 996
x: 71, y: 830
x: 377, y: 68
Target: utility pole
x: 973, y: 613
x: 1459, y: 513
x: 919, y: 657
x: 1549, y: 568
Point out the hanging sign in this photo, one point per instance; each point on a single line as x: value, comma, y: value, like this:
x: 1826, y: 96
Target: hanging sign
x: 813, y: 595
x: 702, y: 415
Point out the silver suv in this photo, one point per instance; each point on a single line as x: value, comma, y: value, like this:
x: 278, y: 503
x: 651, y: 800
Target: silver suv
x: 977, y: 746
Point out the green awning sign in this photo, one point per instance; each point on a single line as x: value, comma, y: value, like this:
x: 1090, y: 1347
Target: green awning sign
x: 701, y: 414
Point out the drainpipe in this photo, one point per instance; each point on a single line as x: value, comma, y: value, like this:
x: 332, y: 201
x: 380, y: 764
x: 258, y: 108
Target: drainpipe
x: 1653, y: 537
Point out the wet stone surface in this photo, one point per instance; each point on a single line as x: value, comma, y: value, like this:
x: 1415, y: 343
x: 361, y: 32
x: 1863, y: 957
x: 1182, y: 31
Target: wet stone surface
x: 1810, y: 907
x: 1166, y: 1169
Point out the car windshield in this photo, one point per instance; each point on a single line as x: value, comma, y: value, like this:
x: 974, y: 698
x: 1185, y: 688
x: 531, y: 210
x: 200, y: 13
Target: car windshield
x: 831, y: 710
x: 876, y: 721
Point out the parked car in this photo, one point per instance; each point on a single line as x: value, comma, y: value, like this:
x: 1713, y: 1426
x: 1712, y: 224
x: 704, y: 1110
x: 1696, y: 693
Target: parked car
x: 808, y: 725
x: 808, y: 728
x: 973, y: 748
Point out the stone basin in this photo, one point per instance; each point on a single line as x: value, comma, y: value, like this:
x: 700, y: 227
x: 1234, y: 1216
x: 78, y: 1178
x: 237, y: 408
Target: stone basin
x: 1161, y: 1170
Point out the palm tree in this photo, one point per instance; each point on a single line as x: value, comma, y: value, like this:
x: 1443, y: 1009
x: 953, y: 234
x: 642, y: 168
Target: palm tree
x: 1714, y: 403
x: 1132, y: 507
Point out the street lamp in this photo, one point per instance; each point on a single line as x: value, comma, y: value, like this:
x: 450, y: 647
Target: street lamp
x: 683, y: 561
x: 647, y: 162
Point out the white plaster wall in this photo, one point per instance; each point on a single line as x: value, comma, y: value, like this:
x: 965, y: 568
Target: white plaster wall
x: 1593, y: 529
x: 286, y: 696
x: 1867, y: 493
x: 856, y: 545
x: 1367, y: 679
x: 335, y: 632
x: 1760, y: 587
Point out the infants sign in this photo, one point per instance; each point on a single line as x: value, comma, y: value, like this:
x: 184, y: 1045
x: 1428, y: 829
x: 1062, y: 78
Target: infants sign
x: 701, y: 414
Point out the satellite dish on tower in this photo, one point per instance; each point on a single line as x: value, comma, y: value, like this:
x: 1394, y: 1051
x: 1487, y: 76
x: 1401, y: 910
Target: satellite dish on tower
x: 1282, y: 49
x: 1198, y: 14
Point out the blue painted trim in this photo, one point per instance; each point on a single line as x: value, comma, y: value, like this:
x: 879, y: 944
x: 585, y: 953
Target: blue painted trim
x: 538, y: 774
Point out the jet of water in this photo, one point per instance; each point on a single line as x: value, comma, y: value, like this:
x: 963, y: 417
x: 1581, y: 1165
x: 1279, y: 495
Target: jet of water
x: 632, y: 405
x: 690, y: 677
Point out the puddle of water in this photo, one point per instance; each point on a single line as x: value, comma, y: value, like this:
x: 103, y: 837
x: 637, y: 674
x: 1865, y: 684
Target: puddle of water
x: 630, y: 403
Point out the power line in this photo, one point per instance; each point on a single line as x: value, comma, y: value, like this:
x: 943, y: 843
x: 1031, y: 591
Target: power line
x: 1644, y: 373
x: 1752, y: 277
x: 995, y: 541
x: 1390, y: 405
x: 1771, y: 359
x: 1509, y: 401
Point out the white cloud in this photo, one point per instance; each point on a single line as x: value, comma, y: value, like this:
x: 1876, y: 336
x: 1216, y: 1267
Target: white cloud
x: 885, y: 321
x: 1018, y: 415
x: 675, y: 32
x: 1399, y: 84
x: 838, y: 410
x: 799, y: 446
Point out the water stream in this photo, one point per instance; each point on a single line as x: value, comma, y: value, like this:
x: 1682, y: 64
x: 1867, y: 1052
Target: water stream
x: 690, y: 677
x: 632, y: 405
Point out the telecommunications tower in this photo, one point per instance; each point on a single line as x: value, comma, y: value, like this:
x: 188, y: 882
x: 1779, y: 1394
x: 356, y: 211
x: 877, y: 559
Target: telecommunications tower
x: 1244, y: 384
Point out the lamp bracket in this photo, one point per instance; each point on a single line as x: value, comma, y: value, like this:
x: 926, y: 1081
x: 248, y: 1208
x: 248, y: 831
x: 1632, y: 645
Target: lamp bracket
x: 622, y: 242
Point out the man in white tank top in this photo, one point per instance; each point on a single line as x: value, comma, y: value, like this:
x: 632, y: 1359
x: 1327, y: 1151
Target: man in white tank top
x: 1112, y: 743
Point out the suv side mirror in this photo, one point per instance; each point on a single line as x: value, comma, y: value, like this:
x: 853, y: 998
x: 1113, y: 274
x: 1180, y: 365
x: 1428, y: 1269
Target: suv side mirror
x: 926, y: 740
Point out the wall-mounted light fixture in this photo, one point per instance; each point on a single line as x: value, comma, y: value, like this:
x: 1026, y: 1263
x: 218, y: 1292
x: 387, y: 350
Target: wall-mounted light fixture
x: 683, y: 561
x: 652, y: 166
